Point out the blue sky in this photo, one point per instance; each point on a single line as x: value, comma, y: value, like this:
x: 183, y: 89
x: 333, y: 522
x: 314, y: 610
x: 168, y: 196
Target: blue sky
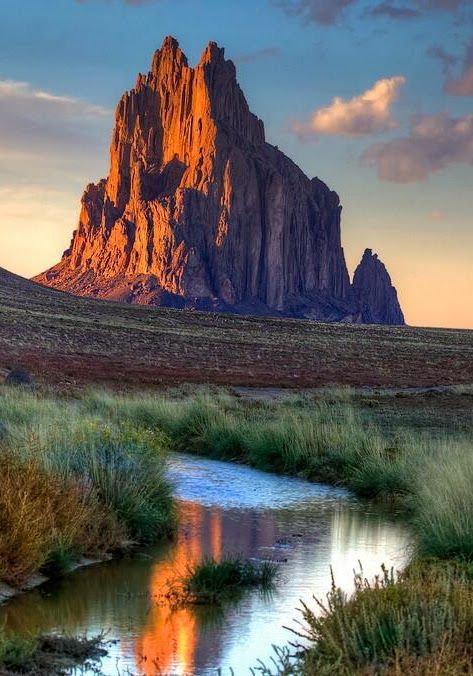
x: 64, y: 65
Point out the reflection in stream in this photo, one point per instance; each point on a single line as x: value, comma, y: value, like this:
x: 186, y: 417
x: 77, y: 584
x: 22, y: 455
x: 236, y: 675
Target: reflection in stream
x: 305, y: 527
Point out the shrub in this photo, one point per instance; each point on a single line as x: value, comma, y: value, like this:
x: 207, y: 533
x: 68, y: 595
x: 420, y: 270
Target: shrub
x: 211, y: 581
x: 408, y: 619
x: 17, y: 653
x: 49, y: 654
x: 20, y: 377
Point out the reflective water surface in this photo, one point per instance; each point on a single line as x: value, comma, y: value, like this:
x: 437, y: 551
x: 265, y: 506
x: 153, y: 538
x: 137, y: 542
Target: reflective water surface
x: 224, y: 508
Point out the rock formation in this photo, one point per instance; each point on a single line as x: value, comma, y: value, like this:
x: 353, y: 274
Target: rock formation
x: 374, y: 294
x: 200, y: 211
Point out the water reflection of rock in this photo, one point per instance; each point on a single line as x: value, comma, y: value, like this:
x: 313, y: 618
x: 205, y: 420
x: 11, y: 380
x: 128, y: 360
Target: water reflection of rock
x: 185, y: 640
x: 182, y: 642
x: 124, y: 596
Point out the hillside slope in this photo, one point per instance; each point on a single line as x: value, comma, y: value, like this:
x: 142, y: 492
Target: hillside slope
x: 75, y: 341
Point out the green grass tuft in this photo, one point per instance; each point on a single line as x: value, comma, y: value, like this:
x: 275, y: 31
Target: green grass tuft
x: 443, y: 518
x: 210, y: 581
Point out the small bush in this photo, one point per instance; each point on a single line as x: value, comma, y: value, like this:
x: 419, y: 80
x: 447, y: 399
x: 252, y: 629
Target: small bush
x: 405, y: 620
x: 20, y: 377
x: 48, y: 655
x: 211, y: 581
x: 17, y: 653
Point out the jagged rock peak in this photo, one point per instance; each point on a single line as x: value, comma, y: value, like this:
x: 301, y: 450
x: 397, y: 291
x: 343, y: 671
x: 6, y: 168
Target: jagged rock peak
x: 169, y: 53
x: 213, y: 54
x: 199, y: 210
x: 374, y: 292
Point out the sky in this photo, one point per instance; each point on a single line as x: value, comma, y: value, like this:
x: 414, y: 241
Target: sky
x: 373, y: 97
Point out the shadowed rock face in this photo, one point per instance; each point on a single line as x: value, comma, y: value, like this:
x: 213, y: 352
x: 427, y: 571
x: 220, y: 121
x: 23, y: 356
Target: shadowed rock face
x: 374, y: 293
x: 199, y: 211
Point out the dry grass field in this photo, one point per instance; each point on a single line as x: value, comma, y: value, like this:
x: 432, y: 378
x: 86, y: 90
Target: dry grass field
x: 72, y: 342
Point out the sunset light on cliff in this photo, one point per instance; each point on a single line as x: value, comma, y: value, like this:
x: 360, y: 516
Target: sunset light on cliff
x: 391, y: 134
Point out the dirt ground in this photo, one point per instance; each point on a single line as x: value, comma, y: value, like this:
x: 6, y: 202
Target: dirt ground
x: 74, y: 342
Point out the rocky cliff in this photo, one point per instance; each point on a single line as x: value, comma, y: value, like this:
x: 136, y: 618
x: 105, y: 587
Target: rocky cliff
x: 198, y: 210
x: 374, y: 294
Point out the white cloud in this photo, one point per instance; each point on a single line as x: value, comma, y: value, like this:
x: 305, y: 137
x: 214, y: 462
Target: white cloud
x: 16, y: 94
x: 434, y: 143
x: 43, y: 132
x: 367, y: 113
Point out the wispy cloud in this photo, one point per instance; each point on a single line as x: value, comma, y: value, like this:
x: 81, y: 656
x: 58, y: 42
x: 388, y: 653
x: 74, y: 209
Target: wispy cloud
x: 434, y: 143
x: 251, y: 57
x: 48, y: 129
x: 330, y: 12
x: 395, y: 11
x: 132, y: 3
x: 447, y: 59
x: 51, y: 145
x: 367, y: 113
x: 325, y: 12
x: 20, y: 94
x: 399, y: 9
x: 462, y: 85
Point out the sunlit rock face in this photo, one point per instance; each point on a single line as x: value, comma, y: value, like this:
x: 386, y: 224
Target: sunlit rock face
x: 198, y: 210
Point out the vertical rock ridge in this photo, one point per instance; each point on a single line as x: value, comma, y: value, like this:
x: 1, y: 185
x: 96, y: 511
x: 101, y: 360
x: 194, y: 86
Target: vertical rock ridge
x: 374, y: 292
x: 198, y: 209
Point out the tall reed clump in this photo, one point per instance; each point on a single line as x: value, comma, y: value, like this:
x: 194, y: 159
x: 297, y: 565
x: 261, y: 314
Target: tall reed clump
x: 45, y: 521
x: 443, y: 517
x: 124, y: 466
x: 396, y: 625
x: 74, y: 484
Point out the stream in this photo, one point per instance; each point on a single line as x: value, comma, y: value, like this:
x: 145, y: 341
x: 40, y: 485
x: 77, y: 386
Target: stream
x: 224, y: 508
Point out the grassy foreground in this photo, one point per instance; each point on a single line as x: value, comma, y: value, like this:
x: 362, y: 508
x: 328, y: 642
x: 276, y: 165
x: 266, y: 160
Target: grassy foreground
x: 420, y: 622
x: 89, y: 473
